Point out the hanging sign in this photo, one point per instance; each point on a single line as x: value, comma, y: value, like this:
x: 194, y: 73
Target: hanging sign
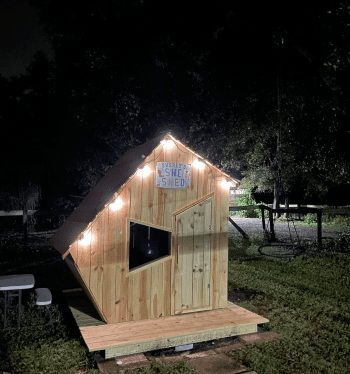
x: 173, y: 175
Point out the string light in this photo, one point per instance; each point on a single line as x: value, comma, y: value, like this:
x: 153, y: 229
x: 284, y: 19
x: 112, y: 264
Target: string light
x: 226, y: 184
x: 86, y: 238
x: 167, y: 144
x: 200, y: 165
x: 117, y: 204
x: 144, y: 172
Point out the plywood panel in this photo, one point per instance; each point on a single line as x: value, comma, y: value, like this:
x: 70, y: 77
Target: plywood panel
x: 198, y: 256
x: 159, y: 196
x: 216, y: 248
x: 135, y: 189
x: 220, y: 255
x: 145, y: 294
x: 186, y: 260
x: 121, y: 269
x: 209, y: 180
x: 204, y: 186
x: 96, y: 270
x: 149, y: 291
x: 207, y: 251
x: 223, y: 253
x: 157, y: 291
x: 110, y: 261
x: 132, y: 291
x: 160, y: 298
x: 182, y: 157
x: 177, y: 265
x: 201, y: 179
x: 170, y: 155
x: 192, y: 191
x: 73, y: 250
x: 139, y: 295
x: 148, y: 190
x: 169, y: 207
x: 167, y: 282
x: 83, y: 263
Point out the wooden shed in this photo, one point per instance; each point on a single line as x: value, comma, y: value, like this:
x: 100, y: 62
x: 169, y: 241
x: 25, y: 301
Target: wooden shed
x: 150, y: 240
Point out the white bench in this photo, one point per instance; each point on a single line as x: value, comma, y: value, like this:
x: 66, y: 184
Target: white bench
x: 43, y: 296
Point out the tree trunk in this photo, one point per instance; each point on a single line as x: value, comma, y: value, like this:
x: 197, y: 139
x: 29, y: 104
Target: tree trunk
x: 272, y: 227
x: 286, y: 205
x: 276, y: 198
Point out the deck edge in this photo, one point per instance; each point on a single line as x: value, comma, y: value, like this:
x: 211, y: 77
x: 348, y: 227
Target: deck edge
x: 169, y: 342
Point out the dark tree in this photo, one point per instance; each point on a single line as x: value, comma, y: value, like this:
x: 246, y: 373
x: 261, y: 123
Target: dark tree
x: 261, y: 89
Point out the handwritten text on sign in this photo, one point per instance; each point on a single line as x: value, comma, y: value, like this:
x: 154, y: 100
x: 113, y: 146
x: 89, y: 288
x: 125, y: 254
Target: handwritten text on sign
x: 173, y: 175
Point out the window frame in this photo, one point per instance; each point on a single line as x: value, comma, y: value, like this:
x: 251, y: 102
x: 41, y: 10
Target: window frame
x: 150, y: 263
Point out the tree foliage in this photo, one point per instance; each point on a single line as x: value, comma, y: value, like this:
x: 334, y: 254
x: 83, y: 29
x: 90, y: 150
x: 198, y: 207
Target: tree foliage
x: 261, y: 90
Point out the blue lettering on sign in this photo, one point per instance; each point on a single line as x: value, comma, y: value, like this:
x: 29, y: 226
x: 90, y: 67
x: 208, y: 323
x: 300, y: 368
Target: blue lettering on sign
x: 173, y: 175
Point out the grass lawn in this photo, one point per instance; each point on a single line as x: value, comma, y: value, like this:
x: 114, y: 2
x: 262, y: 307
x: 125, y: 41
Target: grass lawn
x: 307, y: 300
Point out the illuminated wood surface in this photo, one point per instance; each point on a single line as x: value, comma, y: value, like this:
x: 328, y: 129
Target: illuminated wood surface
x: 139, y: 336
x: 154, y: 290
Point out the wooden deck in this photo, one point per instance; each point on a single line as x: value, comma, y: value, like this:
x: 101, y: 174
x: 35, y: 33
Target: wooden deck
x: 141, y: 336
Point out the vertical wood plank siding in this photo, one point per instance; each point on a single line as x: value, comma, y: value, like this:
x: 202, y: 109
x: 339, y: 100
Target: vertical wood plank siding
x: 150, y: 291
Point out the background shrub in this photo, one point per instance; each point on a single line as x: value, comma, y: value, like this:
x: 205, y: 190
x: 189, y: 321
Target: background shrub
x: 246, y: 199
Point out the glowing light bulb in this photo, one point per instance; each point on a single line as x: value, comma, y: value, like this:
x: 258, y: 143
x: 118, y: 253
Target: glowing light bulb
x: 117, y: 204
x: 86, y: 238
x: 167, y: 144
x: 226, y: 184
x: 144, y: 172
x: 200, y: 165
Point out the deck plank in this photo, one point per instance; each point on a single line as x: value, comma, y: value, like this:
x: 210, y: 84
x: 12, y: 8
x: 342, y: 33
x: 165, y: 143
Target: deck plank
x: 168, y: 331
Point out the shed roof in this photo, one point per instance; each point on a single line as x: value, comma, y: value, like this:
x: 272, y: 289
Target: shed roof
x: 103, y: 192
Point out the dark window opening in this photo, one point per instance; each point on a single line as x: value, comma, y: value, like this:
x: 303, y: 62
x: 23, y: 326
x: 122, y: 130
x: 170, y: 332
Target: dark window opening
x: 147, y: 244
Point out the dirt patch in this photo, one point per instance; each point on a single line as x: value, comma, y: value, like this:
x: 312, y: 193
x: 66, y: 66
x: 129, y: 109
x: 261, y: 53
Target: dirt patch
x: 219, y: 364
x: 241, y: 294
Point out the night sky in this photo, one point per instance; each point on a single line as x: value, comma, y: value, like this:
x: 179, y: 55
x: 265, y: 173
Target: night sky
x: 21, y: 33
x: 227, y: 77
x: 20, y: 36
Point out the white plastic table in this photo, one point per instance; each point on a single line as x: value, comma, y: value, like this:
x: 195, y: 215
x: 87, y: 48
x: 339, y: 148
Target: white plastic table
x: 12, y: 285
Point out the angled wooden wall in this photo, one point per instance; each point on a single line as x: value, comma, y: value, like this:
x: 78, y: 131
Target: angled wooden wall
x: 148, y: 292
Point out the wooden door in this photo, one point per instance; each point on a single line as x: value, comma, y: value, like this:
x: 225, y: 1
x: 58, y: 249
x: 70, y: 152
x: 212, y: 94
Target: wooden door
x: 193, y: 257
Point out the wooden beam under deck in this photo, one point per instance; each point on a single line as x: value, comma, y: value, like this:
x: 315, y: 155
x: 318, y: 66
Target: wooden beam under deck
x: 141, y: 336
